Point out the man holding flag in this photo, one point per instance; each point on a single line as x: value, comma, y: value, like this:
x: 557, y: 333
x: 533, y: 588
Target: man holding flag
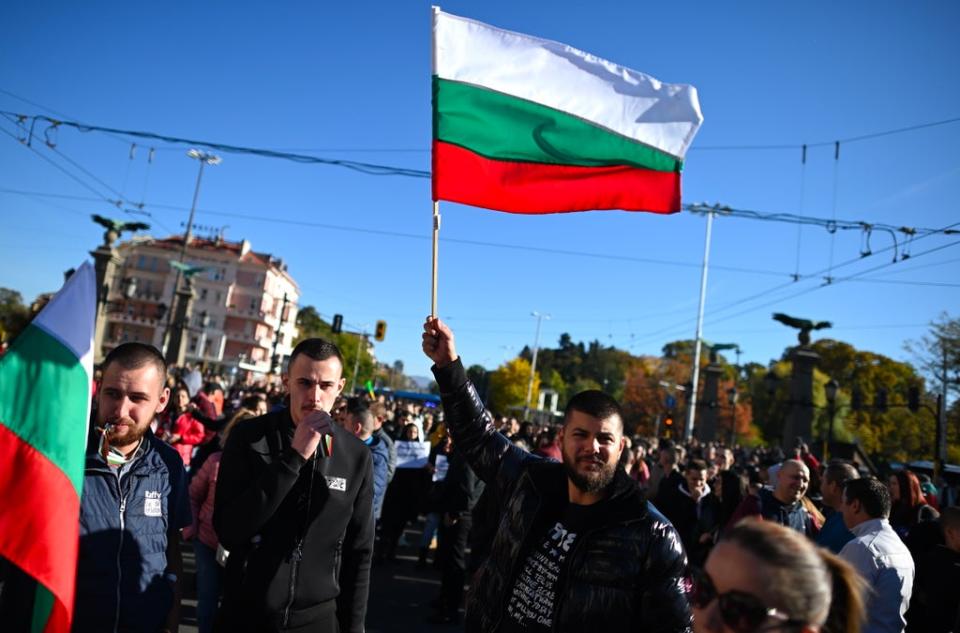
x: 578, y: 547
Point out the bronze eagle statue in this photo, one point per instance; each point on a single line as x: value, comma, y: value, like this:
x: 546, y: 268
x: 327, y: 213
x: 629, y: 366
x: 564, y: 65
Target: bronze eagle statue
x: 187, y: 270
x: 116, y: 227
x: 804, y: 325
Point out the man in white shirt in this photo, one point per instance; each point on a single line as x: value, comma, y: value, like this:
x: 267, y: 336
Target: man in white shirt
x: 878, y: 554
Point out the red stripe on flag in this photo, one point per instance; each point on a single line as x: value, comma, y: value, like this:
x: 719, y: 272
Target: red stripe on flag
x: 40, y: 523
x: 460, y: 175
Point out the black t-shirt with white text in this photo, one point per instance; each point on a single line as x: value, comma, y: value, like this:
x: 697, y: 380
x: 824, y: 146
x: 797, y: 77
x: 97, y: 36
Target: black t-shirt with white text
x: 532, y: 599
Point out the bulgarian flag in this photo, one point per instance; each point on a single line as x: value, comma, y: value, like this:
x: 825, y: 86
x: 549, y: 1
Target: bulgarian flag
x: 45, y: 380
x: 527, y: 125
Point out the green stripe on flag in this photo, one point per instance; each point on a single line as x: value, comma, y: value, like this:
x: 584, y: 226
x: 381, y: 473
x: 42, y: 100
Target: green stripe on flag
x: 44, y: 400
x: 502, y: 127
x: 42, y: 607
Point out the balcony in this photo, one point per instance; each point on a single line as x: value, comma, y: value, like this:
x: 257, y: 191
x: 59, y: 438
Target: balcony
x: 256, y: 314
x: 133, y: 319
x: 250, y: 339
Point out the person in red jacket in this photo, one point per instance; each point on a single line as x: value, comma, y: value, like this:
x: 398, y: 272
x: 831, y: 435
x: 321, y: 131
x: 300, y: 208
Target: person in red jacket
x: 188, y: 432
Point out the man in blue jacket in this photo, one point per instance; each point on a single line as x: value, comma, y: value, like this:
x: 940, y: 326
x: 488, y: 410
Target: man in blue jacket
x: 360, y: 421
x: 134, y: 504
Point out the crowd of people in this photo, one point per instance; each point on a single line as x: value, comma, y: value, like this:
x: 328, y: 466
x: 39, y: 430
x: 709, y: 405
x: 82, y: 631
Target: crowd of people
x: 290, y: 493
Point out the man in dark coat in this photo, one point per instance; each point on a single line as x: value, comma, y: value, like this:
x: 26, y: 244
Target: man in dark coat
x: 294, y: 506
x: 578, y: 547
x: 692, y: 508
x: 459, y: 492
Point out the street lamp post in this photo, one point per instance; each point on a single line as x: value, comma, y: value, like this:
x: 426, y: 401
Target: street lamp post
x: 831, y: 390
x: 205, y: 159
x: 732, y: 396
x: 533, y: 365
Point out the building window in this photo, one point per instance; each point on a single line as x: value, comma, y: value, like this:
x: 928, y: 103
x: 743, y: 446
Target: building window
x: 254, y: 303
x: 193, y: 344
x: 219, y: 297
x: 203, y: 294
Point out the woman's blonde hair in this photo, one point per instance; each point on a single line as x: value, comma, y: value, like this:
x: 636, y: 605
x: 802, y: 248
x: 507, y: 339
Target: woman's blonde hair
x: 241, y: 414
x: 808, y: 582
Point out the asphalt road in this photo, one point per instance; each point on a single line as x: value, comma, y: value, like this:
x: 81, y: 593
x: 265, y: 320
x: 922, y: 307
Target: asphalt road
x: 400, y: 594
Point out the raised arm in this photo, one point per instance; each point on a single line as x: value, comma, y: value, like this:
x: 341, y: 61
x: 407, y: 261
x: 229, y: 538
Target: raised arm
x: 492, y: 456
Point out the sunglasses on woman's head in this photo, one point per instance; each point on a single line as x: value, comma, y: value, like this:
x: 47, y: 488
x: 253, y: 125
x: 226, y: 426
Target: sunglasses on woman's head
x: 739, y: 610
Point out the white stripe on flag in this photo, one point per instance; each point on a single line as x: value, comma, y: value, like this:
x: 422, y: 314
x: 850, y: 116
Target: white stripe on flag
x: 664, y: 116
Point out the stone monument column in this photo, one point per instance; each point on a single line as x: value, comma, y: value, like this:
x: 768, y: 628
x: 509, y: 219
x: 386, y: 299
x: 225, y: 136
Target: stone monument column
x: 799, y: 422
x: 707, y: 428
x: 105, y: 261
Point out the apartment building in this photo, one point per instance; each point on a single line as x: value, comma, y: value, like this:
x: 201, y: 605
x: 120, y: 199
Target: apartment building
x: 237, y: 309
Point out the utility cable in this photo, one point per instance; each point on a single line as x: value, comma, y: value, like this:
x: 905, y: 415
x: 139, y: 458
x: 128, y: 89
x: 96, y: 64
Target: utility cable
x: 371, y: 169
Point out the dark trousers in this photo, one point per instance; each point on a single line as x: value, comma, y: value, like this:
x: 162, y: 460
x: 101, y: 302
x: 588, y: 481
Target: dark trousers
x: 208, y: 585
x: 453, y: 554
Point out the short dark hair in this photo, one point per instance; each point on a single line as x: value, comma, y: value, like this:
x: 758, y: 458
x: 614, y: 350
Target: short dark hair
x: 839, y: 472
x: 872, y: 495
x: 594, y: 403
x: 696, y: 464
x: 317, y: 349
x: 356, y: 406
x: 135, y: 356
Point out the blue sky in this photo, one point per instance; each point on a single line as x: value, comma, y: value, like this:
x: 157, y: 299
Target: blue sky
x: 351, y: 80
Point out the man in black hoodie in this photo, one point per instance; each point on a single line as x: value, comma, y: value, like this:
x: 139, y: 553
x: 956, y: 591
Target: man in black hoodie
x: 294, y: 507
x: 577, y: 547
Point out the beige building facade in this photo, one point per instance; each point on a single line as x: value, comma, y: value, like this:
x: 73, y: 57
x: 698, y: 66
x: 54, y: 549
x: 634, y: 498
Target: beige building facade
x: 237, y: 311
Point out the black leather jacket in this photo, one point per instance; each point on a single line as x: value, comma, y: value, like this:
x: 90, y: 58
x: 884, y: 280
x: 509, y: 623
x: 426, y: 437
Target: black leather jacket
x: 625, y: 574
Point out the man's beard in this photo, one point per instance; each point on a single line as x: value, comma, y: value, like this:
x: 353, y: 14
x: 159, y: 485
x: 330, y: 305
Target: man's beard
x: 594, y: 481
x: 132, y: 434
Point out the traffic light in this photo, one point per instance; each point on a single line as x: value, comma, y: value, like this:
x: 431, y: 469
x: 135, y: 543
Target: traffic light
x: 381, y: 332
x: 856, y: 400
x: 337, y: 325
x: 880, y: 400
x: 668, y: 422
x: 913, y: 398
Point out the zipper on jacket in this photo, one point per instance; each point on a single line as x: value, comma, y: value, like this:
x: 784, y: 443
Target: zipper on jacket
x: 123, y: 509
x: 298, y: 551
x: 294, y: 568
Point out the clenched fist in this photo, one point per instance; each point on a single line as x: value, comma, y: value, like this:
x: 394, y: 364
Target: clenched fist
x: 438, y: 342
x: 307, y: 436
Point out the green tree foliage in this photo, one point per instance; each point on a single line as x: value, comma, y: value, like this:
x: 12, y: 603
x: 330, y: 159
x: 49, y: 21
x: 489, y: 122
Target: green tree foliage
x: 480, y: 378
x: 576, y: 364
x: 311, y: 325
x: 508, y: 385
x: 896, y: 433
x: 14, y: 316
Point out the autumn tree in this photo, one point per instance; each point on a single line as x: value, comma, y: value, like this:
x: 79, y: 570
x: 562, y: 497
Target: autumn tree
x: 311, y: 325
x: 508, y: 385
x: 14, y: 315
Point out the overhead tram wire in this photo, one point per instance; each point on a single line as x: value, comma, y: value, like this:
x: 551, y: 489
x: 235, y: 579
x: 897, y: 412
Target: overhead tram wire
x: 676, y: 329
x: 844, y: 141
x: 386, y: 233
x: 780, y: 217
x: 85, y: 185
x: 832, y: 283
x: 371, y: 169
x: 118, y: 203
x: 377, y: 169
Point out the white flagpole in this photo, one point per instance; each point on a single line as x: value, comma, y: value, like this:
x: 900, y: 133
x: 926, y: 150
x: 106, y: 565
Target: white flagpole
x: 434, y: 12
